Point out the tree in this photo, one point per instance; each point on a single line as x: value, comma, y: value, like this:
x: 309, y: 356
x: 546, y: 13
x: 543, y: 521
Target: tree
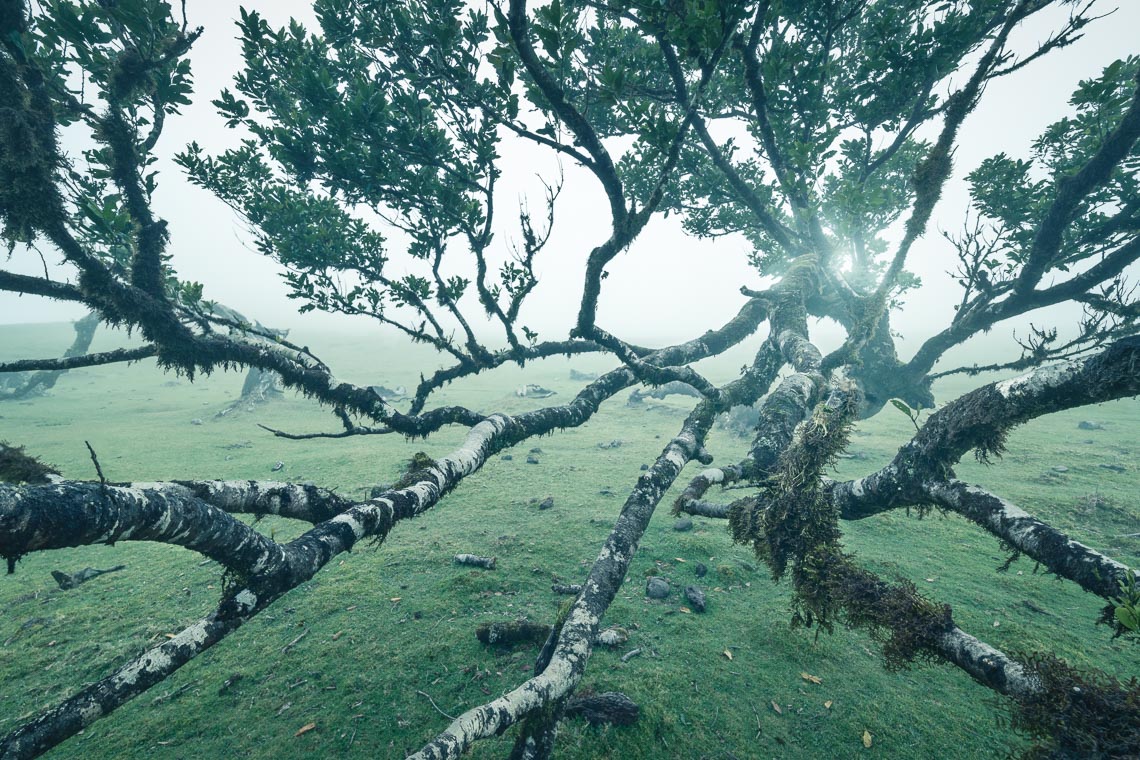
x: 369, y: 166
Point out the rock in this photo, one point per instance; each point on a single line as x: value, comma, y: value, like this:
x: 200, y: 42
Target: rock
x: 196, y: 421
x: 1089, y: 425
x: 612, y: 637
x: 614, y: 444
x: 531, y: 390
x: 1059, y: 468
x: 656, y: 588
x: 536, y: 450
x: 546, y: 503
x: 696, y: 598
x: 506, y: 457
x: 700, y: 570
x: 390, y: 394
x: 644, y: 468
x: 278, y: 466
x: 1113, y: 467
x: 683, y: 525
x: 607, y: 492
x: 532, y: 460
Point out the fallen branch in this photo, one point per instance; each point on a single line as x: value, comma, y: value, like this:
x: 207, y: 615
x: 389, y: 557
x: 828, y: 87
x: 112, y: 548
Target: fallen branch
x: 475, y: 561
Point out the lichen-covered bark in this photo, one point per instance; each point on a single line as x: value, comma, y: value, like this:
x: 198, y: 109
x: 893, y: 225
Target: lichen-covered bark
x: 1067, y: 558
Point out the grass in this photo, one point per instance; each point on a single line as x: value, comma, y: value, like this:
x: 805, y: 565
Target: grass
x: 385, y: 624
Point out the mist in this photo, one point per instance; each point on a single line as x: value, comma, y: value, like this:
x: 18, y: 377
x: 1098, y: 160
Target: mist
x: 644, y: 299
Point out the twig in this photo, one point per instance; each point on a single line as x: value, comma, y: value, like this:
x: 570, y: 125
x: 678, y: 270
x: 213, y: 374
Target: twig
x: 292, y: 643
x: 173, y: 694
x: 433, y: 704
x: 630, y: 655
x: 95, y: 459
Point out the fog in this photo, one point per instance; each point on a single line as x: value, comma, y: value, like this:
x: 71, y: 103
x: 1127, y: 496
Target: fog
x: 666, y: 286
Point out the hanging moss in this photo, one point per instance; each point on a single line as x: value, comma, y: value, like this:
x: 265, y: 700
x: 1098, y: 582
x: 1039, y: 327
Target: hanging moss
x: 1078, y: 714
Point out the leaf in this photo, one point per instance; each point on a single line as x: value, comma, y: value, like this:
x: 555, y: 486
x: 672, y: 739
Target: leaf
x: 828, y: 704
x: 309, y: 727
x: 903, y: 407
x: 776, y: 707
x: 728, y: 654
x: 811, y: 678
x: 686, y: 610
x: 867, y: 739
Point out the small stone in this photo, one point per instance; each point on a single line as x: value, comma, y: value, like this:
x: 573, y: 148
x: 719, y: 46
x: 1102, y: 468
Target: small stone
x: 1113, y: 467
x: 196, y: 421
x: 683, y: 525
x: 1059, y: 468
x: 532, y: 460
x: 700, y: 570
x: 536, y: 450
x: 1089, y: 425
x: 606, y: 492
x: 506, y: 457
x: 613, y: 636
x: 278, y: 466
x: 656, y: 588
x: 696, y: 598
x: 546, y: 503
x: 644, y: 467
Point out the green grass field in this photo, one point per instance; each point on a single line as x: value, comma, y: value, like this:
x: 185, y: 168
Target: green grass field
x: 387, y: 625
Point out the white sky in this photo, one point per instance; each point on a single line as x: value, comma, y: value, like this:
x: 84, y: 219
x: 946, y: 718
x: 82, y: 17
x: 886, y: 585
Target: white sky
x: 666, y: 286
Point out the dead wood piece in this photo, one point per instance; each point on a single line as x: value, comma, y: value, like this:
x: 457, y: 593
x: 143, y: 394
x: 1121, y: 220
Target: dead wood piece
x: 68, y: 581
x: 567, y: 588
x: 630, y: 654
x: 607, y: 707
x: 506, y: 634
x: 475, y: 560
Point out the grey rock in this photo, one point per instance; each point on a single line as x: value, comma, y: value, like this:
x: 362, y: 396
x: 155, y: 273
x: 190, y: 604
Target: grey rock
x: 656, y: 588
x: 196, y: 421
x: 696, y: 597
x: 506, y: 457
x: 536, y: 450
x: 614, y: 444
x: 683, y: 525
x: 644, y: 467
x: 700, y: 570
x: 1113, y: 467
x: 546, y: 503
x: 1059, y: 468
x: 278, y: 466
x: 1089, y: 425
x: 532, y: 460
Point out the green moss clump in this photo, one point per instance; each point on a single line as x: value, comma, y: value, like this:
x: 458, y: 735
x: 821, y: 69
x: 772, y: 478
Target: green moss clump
x: 19, y: 467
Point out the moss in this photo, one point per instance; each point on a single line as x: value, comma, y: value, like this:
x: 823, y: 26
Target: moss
x: 18, y: 467
x: 1078, y: 714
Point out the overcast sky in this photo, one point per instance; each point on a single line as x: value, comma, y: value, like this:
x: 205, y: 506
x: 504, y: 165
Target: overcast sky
x: 665, y: 286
